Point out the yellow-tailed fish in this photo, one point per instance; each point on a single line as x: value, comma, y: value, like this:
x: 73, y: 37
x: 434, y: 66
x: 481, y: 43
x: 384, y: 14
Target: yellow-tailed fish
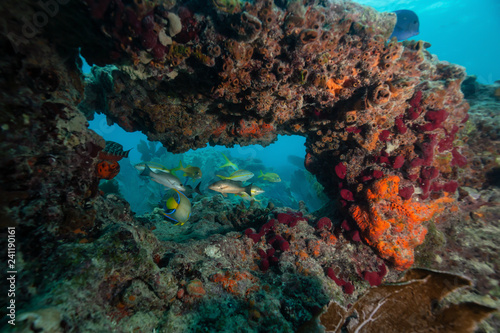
x: 176, y: 206
x: 153, y: 166
x: 164, y: 178
x: 228, y: 163
x: 270, y: 177
x: 189, y: 171
x: 230, y: 186
x: 240, y: 175
x: 247, y: 197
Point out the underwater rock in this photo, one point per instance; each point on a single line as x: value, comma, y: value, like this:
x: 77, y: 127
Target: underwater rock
x: 326, y: 72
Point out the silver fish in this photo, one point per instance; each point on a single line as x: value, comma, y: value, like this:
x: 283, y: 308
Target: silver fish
x: 256, y: 190
x: 240, y: 175
x: 230, y: 186
x: 164, y: 178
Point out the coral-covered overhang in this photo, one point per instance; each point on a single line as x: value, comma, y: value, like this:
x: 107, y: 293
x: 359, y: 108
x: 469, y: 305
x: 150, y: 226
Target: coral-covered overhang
x: 369, y: 107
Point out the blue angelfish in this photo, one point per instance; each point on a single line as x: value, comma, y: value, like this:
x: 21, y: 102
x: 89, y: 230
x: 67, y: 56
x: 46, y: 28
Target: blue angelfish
x: 406, y: 25
x: 176, y: 206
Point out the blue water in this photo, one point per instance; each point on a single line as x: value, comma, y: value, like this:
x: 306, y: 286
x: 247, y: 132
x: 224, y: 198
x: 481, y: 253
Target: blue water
x: 464, y: 32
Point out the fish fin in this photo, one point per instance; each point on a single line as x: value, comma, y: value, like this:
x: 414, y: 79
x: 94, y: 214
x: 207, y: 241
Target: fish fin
x: 228, y: 163
x: 248, y: 189
x: 197, y: 188
x: 224, y: 195
x: 146, y: 171
x: 125, y: 154
x: 171, y: 218
x: 178, y: 168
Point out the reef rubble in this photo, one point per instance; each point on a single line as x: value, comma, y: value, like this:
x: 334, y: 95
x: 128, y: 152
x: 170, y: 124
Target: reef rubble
x: 411, y: 172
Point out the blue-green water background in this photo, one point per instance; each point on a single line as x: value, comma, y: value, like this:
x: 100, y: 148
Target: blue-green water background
x: 465, y: 32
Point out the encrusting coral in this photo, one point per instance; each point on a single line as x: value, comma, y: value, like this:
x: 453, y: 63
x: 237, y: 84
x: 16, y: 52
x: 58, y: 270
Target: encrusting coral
x: 373, y: 107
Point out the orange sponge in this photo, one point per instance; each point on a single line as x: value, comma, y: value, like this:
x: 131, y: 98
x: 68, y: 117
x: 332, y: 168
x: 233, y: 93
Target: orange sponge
x: 393, y: 226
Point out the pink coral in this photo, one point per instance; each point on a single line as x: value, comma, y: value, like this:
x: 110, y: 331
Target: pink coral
x: 375, y: 278
x: 324, y: 223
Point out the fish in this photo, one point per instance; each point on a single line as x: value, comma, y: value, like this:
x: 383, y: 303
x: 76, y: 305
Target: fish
x: 270, y: 177
x: 190, y: 190
x: 240, y: 175
x: 255, y: 190
x: 230, y: 186
x: 107, y: 169
x: 228, y: 163
x: 164, y: 178
x: 113, y: 151
x: 189, y: 171
x: 407, y: 25
x: 176, y: 206
x: 247, y: 197
x: 153, y: 166
x: 296, y: 160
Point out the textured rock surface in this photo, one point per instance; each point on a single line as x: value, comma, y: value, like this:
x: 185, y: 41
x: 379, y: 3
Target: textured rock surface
x: 245, y: 75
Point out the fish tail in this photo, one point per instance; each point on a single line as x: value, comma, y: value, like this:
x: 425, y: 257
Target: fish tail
x: 197, y: 188
x: 125, y: 153
x: 221, y: 177
x: 225, y: 157
x: 248, y: 190
x: 261, y: 174
x: 228, y: 163
x: 146, y: 171
x: 180, y: 167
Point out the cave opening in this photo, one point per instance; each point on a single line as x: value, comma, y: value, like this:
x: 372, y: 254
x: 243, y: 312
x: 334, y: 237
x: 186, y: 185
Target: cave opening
x: 285, y: 158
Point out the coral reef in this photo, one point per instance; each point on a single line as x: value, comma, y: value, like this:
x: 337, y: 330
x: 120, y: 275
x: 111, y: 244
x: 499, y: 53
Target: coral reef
x: 387, y: 137
x: 325, y: 71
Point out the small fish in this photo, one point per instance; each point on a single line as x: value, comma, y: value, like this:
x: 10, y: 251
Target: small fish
x: 230, y: 186
x: 270, y: 177
x: 296, y: 160
x: 240, y: 175
x: 113, y: 151
x: 164, y: 178
x: 153, y: 166
x: 407, y: 25
x: 256, y: 190
x: 176, y: 206
x: 189, y: 171
x: 247, y: 197
x: 229, y: 163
